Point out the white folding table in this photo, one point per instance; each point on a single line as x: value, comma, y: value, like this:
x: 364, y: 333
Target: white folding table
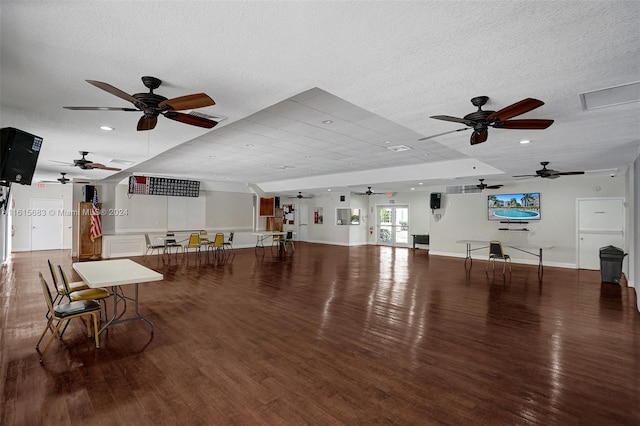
x: 115, y: 273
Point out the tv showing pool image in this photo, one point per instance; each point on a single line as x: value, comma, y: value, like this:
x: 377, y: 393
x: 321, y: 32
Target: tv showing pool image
x: 516, y: 207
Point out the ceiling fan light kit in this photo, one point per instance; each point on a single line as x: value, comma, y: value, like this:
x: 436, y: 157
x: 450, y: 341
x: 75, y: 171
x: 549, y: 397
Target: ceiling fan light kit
x: 153, y: 105
x: 481, y: 120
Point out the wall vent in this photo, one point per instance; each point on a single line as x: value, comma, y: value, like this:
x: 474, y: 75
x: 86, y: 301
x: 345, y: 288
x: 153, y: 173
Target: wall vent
x: 616, y: 95
x: 463, y: 189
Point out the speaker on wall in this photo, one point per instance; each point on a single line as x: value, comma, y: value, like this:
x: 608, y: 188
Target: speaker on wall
x: 88, y: 191
x: 435, y: 200
x: 19, y: 152
x: 277, y: 202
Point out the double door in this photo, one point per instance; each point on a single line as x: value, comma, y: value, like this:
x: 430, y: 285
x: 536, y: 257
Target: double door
x: 393, y: 225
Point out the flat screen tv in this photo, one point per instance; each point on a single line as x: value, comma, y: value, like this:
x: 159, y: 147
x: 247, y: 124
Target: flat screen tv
x: 514, y: 207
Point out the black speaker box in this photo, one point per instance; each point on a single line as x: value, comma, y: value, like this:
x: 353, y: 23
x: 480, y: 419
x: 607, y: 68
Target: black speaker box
x: 277, y: 201
x: 88, y: 191
x: 435, y: 200
x: 19, y: 152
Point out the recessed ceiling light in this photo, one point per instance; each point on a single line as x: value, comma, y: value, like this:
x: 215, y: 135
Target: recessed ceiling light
x: 327, y: 121
x: 420, y: 183
x: 107, y: 128
x: 523, y: 142
x: 249, y: 144
x: 329, y: 189
x: 387, y: 142
x: 413, y: 189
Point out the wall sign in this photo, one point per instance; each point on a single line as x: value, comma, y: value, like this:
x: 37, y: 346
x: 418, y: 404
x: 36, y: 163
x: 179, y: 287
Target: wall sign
x: 148, y: 185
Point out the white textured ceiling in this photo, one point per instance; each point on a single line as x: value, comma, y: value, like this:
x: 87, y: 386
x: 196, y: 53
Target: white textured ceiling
x: 277, y: 70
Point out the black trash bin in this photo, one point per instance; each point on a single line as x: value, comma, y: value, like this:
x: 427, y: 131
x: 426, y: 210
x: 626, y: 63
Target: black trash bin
x: 611, y: 264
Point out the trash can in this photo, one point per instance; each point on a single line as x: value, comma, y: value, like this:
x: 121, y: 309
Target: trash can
x: 611, y: 264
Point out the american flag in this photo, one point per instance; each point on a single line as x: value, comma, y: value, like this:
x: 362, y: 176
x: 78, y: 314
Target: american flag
x: 96, y: 220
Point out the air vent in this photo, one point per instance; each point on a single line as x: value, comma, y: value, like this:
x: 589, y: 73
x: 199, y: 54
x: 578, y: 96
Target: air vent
x: 217, y: 118
x: 123, y: 162
x: 399, y: 148
x: 616, y: 95
x: 463, y: 189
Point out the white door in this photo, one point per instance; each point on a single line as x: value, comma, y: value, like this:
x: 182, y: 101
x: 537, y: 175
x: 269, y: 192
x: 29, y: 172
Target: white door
x: 600, y: 224
x: 393, y: 225
x: 303, y: 222
x: 46, y: 224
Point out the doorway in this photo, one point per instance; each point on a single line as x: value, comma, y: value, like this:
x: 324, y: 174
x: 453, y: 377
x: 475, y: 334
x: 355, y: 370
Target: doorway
x: 393, y: 226
x: 601, y: 223
x: 46, y: 224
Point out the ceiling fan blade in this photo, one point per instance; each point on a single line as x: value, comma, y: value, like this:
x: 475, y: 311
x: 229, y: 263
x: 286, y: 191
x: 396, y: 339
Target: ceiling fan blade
x: 442, y: 134
x: 190, y: 119
x: 569, y: 173
x: 533, y: 124
x: 513, y: 110
x: 99, y: 108
x: 479, y: 136
x: 198, y: 100
x: 454, y: 119
x: 101, y: 167
x: 117, y: 92
x: 526, y: 176
x: 494, y: 186
x: 63, y: 162
x: 147, y: 123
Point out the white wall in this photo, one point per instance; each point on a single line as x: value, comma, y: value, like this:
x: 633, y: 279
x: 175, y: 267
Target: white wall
x: 464, y: 216
x: 213, y: 211
x: 22, y: 196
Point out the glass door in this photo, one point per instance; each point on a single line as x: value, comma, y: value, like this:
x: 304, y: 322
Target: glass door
x: 393, y: 225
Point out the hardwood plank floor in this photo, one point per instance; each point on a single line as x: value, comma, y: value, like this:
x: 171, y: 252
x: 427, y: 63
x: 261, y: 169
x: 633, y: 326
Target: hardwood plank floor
x: 330, y: 335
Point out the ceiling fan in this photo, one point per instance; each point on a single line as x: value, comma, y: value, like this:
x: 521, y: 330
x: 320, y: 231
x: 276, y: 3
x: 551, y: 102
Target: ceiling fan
x: 153, y: 105
x: 549, y: 173
x: 480, y: 120
x: 483, y: 185
x: 299, y: 196
x: 85, y: 164
x: 63, y: 180
x: 369, y: 191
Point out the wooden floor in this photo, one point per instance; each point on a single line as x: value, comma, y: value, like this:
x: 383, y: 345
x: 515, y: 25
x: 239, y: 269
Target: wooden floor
x: 330, y: 335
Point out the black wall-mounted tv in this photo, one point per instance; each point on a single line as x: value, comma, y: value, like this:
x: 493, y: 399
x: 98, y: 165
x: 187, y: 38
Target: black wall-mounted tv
x: 514, y: 207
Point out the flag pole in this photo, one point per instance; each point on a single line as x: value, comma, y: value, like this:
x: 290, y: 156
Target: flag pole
x: 93, y: 255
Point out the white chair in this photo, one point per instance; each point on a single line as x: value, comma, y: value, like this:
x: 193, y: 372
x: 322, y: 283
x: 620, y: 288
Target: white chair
x: 152, y: 247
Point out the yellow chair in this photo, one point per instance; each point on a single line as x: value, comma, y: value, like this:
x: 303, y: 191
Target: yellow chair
x: 204, y: 238
x: 85, y: 294
x: 65, y: 312
x: 496, y: 252
x: 217, y: 244
x: 194, y: 243
x: 61, y: 292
